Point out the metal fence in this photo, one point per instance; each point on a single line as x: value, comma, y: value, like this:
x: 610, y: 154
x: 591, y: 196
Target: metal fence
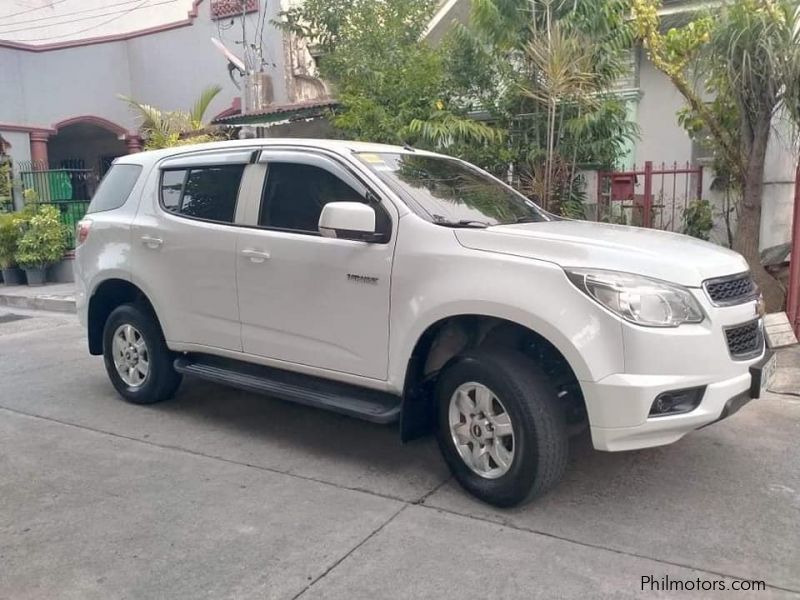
x: 649, y: 197
x: 69, y: 190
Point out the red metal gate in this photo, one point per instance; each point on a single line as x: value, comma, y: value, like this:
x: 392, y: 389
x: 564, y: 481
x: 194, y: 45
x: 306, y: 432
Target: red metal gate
x: 650, y: 197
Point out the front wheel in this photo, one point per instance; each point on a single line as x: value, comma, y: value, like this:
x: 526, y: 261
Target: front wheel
x: 136, y: 356
x: 501, y: 430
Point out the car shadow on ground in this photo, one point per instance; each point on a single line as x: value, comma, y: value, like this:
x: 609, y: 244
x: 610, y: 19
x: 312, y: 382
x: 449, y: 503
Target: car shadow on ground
x: 288, y: 429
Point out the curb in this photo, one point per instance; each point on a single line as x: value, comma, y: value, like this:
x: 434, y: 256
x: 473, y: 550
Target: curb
x: 65, y: 304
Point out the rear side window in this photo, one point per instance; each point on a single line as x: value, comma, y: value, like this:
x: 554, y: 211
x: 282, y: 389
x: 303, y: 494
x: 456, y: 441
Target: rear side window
x: 115, y: 188
x: 207, y: 193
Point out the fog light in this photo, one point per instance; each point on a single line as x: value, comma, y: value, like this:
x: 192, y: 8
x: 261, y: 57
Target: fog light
x: 677, y: 401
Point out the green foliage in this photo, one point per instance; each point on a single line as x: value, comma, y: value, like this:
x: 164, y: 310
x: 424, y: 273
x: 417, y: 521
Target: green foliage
x: 5, y: 179
x: 540, y: 75
x: 30, y: 195
x: 698, y: 219
x: 747, y: 54
x: 43, y: 239
x: 10, y: 232
x: 168, y: 128
x: 391, y: 85
x: 551, y: 68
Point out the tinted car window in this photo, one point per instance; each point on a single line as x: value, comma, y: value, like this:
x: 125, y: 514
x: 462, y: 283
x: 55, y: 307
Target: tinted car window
x: 207, y: 193
x: 295, y: 194
x: 115, y: 188
x: 172, y: 188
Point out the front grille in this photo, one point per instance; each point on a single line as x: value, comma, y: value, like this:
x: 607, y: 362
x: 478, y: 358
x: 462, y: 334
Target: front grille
x: 731, y: 290
x: 745, y: 341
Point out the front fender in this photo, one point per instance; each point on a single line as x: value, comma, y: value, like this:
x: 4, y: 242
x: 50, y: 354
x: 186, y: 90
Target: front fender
x: 531, y: 293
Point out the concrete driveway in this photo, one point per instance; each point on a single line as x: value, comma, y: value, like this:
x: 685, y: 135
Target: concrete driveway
x: 223, y: 494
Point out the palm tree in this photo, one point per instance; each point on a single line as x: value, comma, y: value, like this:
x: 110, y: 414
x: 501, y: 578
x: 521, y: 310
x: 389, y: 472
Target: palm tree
x: 165, y: 128
x: 748, y: 52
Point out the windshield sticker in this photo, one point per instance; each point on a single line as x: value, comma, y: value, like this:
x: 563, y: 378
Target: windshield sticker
x: 372, y: 158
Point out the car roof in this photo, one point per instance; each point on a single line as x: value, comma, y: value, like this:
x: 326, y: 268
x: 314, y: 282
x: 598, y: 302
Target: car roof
x: 338, y: 146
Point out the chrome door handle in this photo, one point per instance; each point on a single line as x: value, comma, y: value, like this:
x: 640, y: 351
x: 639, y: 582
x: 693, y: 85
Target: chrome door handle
x: 256, y: 256
x: 152, y: 242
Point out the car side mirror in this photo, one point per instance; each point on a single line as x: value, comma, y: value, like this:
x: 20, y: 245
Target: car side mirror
x: 348, y: 221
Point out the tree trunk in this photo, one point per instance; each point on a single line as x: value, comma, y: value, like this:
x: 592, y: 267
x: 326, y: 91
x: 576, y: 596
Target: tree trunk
x: 748, y: 232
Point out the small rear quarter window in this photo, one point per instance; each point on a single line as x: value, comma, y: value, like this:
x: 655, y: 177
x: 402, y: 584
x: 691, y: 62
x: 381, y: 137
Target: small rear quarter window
x: 115, y: 188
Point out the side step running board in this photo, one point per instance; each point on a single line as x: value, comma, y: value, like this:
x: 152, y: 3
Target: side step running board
x: 375, y: 406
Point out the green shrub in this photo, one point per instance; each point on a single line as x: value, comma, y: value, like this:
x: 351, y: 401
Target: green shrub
x: 43, y: 240
x: 698, y: 219
x: 9, y: 236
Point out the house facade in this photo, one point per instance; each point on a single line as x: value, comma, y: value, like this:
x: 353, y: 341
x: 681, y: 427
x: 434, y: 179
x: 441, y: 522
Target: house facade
x: 63, y: 65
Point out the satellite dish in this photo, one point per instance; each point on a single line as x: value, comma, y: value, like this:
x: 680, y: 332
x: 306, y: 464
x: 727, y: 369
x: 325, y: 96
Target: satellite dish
x: 232, y: 59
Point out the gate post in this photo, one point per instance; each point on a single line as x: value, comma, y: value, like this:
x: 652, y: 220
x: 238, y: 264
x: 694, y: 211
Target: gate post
x: 793, y: 297
x: 648, y: 194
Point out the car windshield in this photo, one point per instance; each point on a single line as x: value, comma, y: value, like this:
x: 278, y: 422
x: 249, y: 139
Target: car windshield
x: 450, y: 192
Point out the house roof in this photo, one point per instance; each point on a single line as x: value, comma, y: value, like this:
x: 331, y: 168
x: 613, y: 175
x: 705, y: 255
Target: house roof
x: 280, y: 112
x: 48, y: 22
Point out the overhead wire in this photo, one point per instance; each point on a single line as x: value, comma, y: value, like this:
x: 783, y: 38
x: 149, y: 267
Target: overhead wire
x: 96, y: 25
x: 72, y: 13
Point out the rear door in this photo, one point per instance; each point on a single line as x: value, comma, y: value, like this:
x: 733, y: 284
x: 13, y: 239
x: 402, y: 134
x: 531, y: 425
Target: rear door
x: 307, y: 299
x: 184, y: 247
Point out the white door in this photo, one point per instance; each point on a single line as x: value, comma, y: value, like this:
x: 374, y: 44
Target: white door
x: 184, y: 248
x: 308, y: 299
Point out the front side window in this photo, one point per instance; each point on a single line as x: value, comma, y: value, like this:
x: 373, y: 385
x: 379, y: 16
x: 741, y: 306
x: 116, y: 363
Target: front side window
x: 294, y: 195
x: 450, y: 192
x: 207, y: 193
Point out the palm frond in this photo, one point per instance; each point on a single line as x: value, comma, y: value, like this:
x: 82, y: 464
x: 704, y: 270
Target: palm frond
x: 201, y: 105
x: 444, y: 129
x: 152, y: 117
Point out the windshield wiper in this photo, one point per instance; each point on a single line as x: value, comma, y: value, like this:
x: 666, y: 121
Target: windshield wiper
x: 461, y: 223
x: 526, y: 220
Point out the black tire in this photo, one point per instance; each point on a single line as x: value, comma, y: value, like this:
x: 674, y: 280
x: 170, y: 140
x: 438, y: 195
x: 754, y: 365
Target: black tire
x: 162, y: 380
x: 540, y: 436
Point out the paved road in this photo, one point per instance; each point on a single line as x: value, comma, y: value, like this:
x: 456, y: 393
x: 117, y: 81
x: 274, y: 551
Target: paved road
x: 222, y: 494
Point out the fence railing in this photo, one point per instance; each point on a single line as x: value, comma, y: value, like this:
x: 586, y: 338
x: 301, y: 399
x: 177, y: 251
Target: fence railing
x: 53, y: 185
x: 655, y: 197
x: 69, y: 190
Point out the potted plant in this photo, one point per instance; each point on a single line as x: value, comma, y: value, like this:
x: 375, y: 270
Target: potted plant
x: 9, y: 236
x: 42, y: 244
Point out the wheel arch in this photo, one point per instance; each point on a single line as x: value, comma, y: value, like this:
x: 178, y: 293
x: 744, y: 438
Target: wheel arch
x: 447, y: 337
x: 108, y: 295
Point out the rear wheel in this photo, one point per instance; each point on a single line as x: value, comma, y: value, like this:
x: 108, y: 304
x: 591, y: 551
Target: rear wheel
x: 136, y: 356
x: 501, y: 429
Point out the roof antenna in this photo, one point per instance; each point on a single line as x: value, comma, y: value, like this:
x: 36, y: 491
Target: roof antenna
x: 409, y: 147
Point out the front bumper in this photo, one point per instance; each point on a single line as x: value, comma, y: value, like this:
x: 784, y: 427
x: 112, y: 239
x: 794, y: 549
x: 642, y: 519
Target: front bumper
x: 626, y: 392
x: 665, y: 360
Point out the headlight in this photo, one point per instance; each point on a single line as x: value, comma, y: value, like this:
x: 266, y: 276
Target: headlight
x: 638, y: 299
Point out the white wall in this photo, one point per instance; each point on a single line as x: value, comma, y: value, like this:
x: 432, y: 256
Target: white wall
x: 662, y: 138
x: 20, y: 145
x: 779, y: 172
x: 167, y: 69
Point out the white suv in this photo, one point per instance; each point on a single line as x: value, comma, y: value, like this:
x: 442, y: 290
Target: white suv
x: 394, y: 284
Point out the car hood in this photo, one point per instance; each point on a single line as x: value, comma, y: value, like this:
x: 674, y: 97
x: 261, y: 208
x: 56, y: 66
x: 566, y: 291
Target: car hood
x: 658, y: 254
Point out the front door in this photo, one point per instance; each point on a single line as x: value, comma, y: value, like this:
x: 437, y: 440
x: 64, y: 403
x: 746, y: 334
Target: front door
x: 308, y: 299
